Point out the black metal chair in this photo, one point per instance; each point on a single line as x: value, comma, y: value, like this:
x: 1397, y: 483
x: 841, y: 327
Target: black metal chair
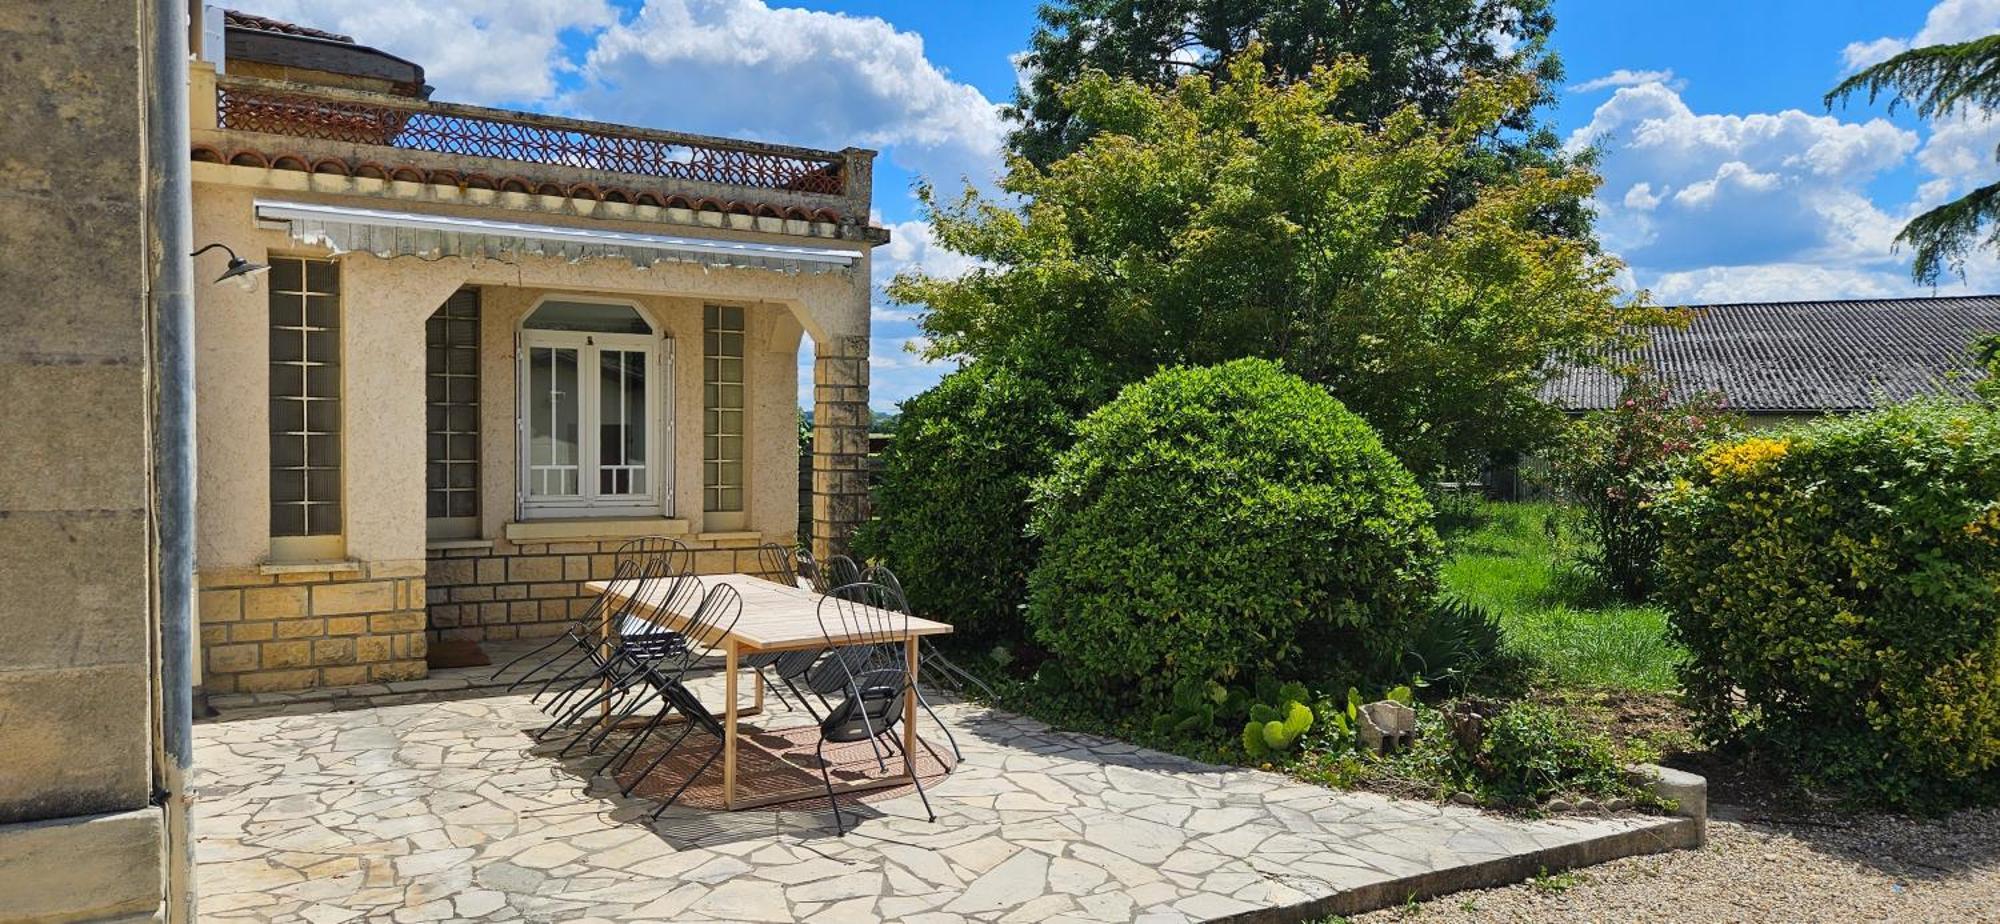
x: 864, y: 641
x: 582, y: 632
x: 837, y: 572
x: 931, y: 664
x: 778, y: 564
x: 637, y: 642
x: 947, y: 676
x: 715, y: 618
x: 656, y: 566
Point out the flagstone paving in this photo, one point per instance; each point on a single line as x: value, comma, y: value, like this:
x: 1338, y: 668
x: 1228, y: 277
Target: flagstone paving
x: 433, y: 811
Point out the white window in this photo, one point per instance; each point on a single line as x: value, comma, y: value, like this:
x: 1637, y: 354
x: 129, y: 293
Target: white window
x: 594, y: 379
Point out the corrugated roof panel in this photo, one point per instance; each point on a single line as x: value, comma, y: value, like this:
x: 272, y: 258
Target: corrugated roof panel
x: 1799, y: 357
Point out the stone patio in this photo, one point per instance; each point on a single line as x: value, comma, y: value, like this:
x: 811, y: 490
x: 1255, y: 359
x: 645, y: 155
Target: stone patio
x: 400, y: 806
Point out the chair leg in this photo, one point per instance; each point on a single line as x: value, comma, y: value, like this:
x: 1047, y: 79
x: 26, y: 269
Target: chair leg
x: 778, y: 689
x: 689, y: 781
x: 955, y: 752
x: 826, y: 775
x: 586, y: 659
x: 634, y: 706
x: 656, y: 761
x: 632, y: 747
x: 917, y: 778
x: 803, y: 700
x: 519, y: 658
x: 531, y: 672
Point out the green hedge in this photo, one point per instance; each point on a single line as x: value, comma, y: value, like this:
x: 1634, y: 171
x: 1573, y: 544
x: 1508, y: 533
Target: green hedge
x: 952, y: 507
x: 1838, y: 589
x: 1227, y: 522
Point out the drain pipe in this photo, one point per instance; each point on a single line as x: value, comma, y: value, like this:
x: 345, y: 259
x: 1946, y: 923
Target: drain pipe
x: 170, y: 220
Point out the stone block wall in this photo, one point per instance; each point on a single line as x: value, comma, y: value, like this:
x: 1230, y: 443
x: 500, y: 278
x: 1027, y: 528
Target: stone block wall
x: 528, y: 590
x: 295, y: 630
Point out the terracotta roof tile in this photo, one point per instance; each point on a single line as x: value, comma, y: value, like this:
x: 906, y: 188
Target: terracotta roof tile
x: 243, y: 20
x: 286, y: 160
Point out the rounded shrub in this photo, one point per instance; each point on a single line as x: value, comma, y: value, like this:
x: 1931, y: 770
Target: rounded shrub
x: 1838, y: 591
x: 951, y: 511
x: 1225, y: 522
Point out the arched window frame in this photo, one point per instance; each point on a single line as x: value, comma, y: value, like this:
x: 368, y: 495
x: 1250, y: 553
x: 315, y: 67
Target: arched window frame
x: 589, y: 500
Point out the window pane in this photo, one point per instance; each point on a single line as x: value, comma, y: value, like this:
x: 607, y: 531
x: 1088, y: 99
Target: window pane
x: 722, y: 417
x: 451, y: 387
x: 304, y: 298
x: 621, y: 414
x: 553, y: 451
x: 592, y: 317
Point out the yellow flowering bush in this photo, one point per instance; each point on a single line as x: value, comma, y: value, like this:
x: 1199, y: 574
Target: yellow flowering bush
x: 1838, y: 590
x: 1744, y: 457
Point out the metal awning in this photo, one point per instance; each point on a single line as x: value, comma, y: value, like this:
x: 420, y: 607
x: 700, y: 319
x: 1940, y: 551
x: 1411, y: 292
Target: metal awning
x: 387, y: 233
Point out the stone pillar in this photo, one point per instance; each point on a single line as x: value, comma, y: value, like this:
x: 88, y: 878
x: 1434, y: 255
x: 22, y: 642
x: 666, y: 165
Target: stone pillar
x: 80, y: 836
x: 840, y: 382
x: 840, y: 442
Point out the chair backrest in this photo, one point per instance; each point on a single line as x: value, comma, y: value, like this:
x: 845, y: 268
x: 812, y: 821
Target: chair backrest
x: 713, y: 619
x: 679, y: 557
x: 864, y: 625
x: 837, y: 572
x: 626, y: 572
x: 641, y: 577
x: 778, y: 564
x: 673, y: 593
x: 881, y: 575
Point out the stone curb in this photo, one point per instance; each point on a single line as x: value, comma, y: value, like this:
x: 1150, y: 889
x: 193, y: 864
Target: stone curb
x: 1686, y: 830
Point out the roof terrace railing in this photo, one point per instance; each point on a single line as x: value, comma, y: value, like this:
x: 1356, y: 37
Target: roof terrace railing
x: 329, y: 114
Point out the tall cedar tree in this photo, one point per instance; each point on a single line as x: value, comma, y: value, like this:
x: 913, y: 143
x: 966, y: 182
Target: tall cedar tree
x: 1939, y: 81
x: 1235, y: 217
x: 1417, y: 52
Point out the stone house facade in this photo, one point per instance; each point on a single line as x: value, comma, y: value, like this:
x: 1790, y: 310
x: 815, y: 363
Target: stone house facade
x: 492, y: 346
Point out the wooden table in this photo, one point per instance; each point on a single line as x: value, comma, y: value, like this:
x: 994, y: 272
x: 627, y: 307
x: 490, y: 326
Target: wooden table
x: 775, y: 618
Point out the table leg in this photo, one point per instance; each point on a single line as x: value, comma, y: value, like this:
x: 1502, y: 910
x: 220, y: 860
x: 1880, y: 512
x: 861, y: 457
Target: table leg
x: 729, y: 725
x: 910, y: 709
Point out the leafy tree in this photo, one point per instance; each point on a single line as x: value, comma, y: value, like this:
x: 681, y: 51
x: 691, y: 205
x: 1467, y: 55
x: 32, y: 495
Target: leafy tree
x: 1939, y: 81
x: 1417, y: 53
x: 1235, y: 217
x: 1614, y: 463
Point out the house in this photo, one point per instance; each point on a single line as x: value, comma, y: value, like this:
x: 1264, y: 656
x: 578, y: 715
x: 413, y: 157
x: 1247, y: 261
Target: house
x: 490, y: 347
x: 1778, y: 361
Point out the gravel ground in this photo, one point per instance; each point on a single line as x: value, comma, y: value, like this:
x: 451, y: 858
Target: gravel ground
x: 1831, y: 871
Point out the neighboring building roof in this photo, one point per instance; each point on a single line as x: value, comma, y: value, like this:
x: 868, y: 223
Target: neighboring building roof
x: 240, y: 20
x: 1806, y: 357
x: 301, y: 52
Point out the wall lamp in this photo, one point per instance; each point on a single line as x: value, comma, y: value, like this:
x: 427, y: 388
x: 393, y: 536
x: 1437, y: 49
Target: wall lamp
x: 243, y: 272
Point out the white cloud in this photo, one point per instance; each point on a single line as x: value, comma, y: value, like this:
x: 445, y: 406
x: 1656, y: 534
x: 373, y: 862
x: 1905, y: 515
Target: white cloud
x: 475, y: 51
x: 1858, y: 55
x: 1777, y: 282
x: 1949, y: 21
x: 1642, y: 198
x: 1626, y: 78
x: 1722, y: 189
x: 743, y: 69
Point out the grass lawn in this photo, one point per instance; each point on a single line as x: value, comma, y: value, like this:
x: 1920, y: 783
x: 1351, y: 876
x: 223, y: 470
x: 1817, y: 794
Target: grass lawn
x: 1515, y: 559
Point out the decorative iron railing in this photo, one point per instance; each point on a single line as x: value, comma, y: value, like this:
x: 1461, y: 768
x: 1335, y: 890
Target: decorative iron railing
x: 449, y: 128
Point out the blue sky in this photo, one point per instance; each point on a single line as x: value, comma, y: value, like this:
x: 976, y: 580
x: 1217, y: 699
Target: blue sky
x: 1725, y: 177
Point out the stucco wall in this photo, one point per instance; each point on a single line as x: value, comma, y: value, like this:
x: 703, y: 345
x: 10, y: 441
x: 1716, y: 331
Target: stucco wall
x: 385, y: 303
